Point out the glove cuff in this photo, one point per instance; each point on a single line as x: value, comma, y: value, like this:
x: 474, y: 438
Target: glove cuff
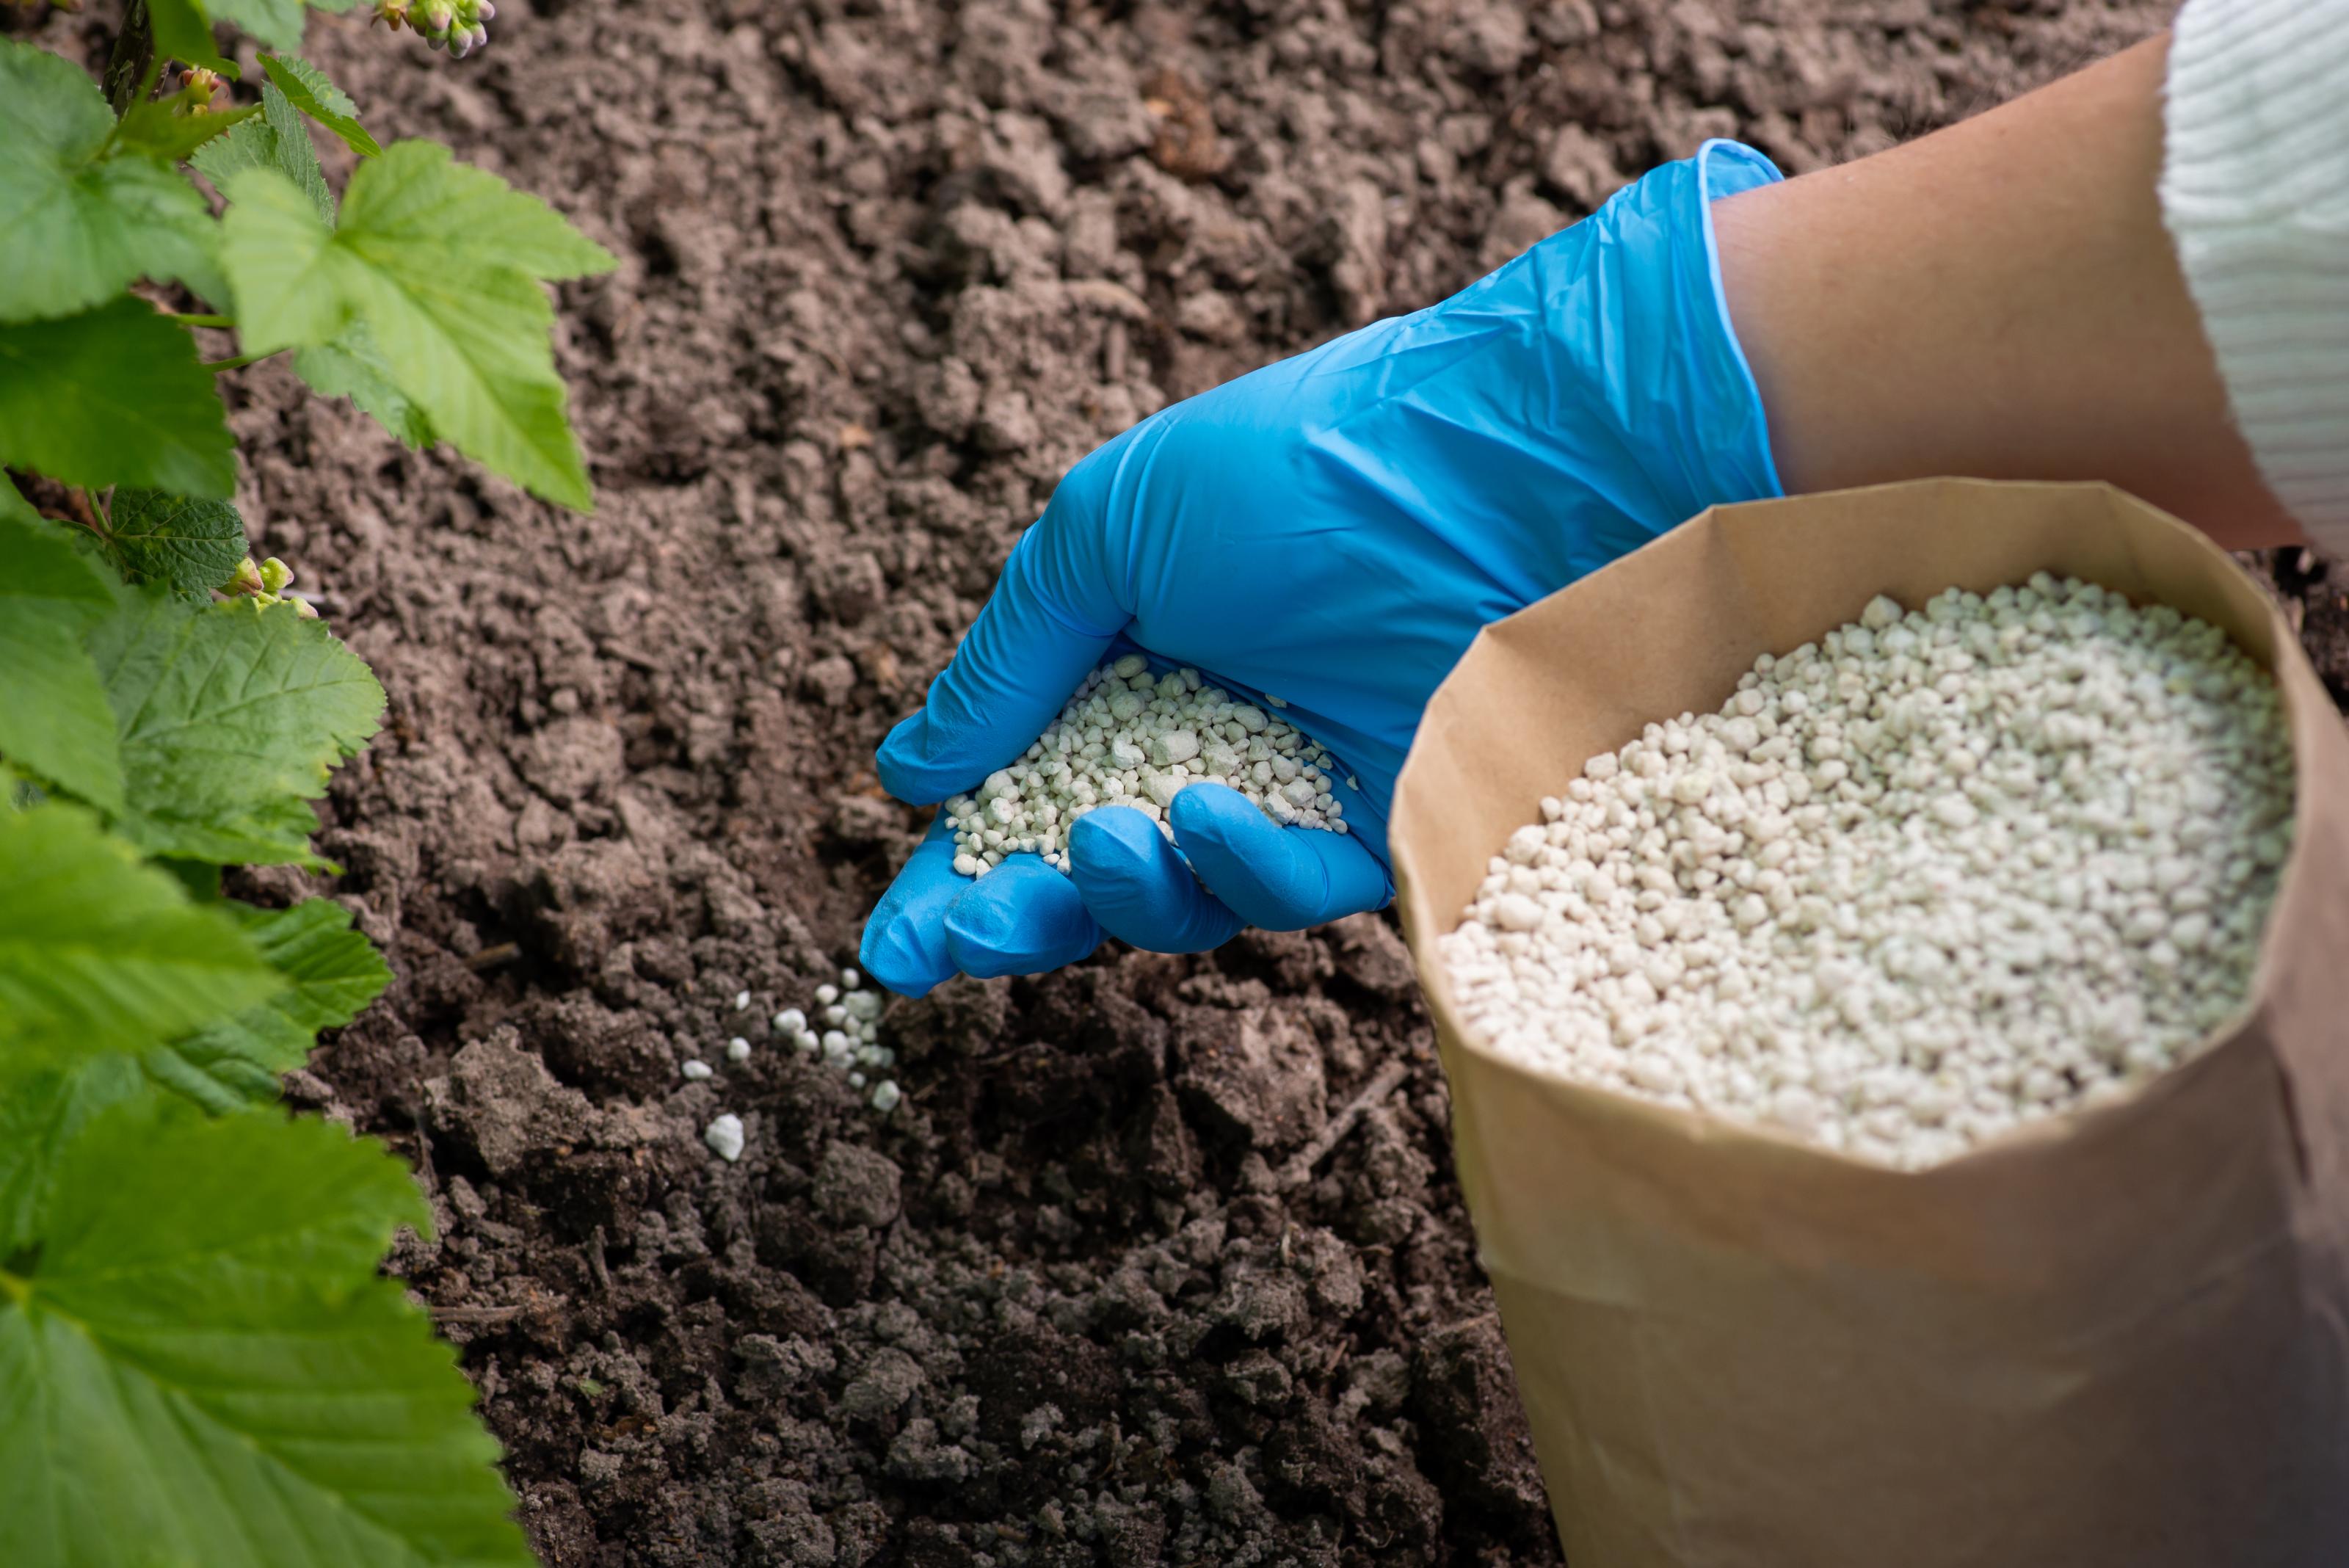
x: 1689, y: 413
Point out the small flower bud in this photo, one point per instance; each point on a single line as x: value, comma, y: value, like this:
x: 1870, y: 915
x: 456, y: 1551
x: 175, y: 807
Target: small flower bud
x: 303, y: 608
x: 247, y: 579
x: 274, y: 574
x: 200, y: 85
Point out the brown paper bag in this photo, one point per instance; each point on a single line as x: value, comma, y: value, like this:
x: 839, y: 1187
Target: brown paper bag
x: 2117, y: 1337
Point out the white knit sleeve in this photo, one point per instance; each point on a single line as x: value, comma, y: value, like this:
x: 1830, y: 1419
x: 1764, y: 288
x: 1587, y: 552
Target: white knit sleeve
x: 2255, y: 192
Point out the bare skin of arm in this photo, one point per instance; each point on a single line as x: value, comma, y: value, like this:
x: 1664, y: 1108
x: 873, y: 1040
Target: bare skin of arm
x: 1998, y: 299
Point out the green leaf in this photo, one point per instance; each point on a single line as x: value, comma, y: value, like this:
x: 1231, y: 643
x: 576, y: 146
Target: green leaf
x: 199, y: 1364
x: 157, y: 129
x: 100, y: 953
x: 54, y: 721
x: 40, y: 1112
x: 54, y: 718
x: 182, y: 32
x: 332, y: 971
x: 38, y: 562
x: 296, y: 156
x: 443, y: 263
x: 80, y: 226
x: 280, y: 142
x: 252, y: 145
x: 14, y: 507
x: 186, y: 544
x: 350, y: 368
x: 230, y: 717
x: 115, y: 395
x: 276, y: 23
x: 307, y: 87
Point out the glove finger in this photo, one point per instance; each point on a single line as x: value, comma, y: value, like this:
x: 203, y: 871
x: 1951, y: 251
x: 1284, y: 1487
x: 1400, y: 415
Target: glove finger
x: 1282, y: 878
x: 1139, y: 889
x: 904, y: 942
x: 1023, y: 917
x: 1046, y: 625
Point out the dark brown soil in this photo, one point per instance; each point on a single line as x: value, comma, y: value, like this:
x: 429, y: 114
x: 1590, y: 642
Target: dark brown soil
x: 887, y: 267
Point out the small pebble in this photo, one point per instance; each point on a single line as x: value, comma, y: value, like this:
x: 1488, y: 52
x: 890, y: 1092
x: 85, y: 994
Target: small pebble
x: 695, y: 1070
x: 856, y: 1080
x: 850, y: 980
x: 791, y: 1021
x: 738, y: 1049
x: 741, y: 1000
x: 885, y: 1096
x: 825, y: 995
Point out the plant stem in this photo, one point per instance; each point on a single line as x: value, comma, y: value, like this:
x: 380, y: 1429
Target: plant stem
x: 128, y: 69
x: 88, y: 514
x: 186, y: 320
x: 241, y: 360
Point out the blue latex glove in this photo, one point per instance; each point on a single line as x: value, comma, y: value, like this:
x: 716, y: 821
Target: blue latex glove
x: 1332, y: 530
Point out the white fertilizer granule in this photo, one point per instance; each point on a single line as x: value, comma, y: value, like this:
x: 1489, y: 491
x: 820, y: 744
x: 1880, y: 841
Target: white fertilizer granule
x: 1951, y: 871
x: 1131, y: 738
x: 724, y: 1136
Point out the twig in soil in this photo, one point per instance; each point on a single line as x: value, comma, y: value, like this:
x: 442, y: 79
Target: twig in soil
x: 1301, y: 1166
x: 595, y: 1264
x: 424, y: 1154
x: 611, y: 649
x: 477, y: 1313
x: 491, y: 956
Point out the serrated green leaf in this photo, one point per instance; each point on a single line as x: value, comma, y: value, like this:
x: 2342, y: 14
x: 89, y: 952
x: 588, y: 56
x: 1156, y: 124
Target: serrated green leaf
x: 184, y: 543
x: 311, y: 92
x: 332, y: 971
x: 442, y: 262
x: 115, y: 395
x: 350, y: 368
x: 54, y: 718
x: 252, y: 144
x: 419, y: 205
x: 182, y: 32
x: 41, y: 1111
x: 276, y: 23
x: 296, y: 156
x: 156, y: 129
x: 279, y: 140
x: 199, y: 1364
x: 230, y: 718
x: 100, y: 953
x: 81, y: 225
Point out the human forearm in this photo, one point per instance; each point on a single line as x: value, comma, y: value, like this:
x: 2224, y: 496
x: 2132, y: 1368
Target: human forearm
x: 2000, y: 299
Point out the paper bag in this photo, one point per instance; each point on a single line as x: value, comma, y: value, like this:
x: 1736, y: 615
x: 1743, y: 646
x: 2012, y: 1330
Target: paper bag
x: 2117, y: 1337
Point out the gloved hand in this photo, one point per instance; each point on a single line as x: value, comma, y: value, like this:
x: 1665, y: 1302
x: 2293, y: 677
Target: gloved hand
x: 1331, y: 530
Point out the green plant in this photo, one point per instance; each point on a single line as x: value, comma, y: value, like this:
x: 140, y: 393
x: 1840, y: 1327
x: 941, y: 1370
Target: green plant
x: 199, y: 1362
